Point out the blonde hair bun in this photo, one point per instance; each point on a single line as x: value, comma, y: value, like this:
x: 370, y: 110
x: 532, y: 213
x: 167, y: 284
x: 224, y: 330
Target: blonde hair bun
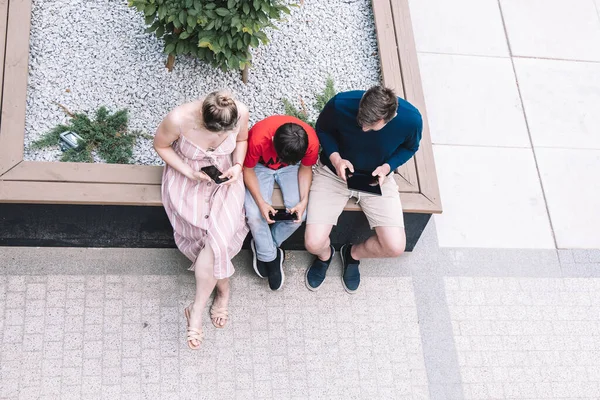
x: 219, y: 112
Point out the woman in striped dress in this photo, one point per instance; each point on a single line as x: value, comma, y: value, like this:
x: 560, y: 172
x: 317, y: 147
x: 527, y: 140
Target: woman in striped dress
x: 208, y: 218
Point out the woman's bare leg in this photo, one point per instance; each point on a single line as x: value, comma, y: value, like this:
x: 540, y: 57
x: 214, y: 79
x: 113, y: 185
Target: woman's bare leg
x: 221, y: 299
x: 205, y: 284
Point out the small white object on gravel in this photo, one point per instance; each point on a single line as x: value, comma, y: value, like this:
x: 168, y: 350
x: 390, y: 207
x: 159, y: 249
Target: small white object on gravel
x: 88, y: 54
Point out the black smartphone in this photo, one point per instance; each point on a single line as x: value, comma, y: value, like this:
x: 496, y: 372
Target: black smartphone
x: 214, y: 173
x: 363, y: 181
x: 284, y: 215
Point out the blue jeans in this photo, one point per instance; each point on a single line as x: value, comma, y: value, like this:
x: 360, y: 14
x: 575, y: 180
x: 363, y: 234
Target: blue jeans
x: 268, y: 238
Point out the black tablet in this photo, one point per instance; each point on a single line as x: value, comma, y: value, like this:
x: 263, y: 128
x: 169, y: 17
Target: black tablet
x: 363, y: 181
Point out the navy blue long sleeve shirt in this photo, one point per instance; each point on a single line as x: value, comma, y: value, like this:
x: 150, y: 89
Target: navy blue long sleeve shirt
x: 394, y: 144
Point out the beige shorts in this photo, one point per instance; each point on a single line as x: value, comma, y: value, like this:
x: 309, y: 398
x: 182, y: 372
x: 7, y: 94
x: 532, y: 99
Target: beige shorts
x: 329, y: 195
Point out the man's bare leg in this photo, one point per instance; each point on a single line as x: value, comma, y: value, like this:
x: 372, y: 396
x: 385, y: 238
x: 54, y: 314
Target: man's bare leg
x: 388, y: 242
x: 316, y: 240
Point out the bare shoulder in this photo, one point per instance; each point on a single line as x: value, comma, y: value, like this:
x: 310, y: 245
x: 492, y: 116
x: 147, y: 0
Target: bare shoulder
x: 242, y: 109
x: 179, y: 115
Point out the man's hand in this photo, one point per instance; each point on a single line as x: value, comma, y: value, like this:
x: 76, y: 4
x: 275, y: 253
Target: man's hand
x: 232, y: 174
x: 340, y: 167
x: 381, y: 172
x: 299, y: 210
x: 266, y: 209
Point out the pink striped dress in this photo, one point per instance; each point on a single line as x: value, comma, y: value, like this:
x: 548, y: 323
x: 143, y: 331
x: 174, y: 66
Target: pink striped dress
x: 204, y: 212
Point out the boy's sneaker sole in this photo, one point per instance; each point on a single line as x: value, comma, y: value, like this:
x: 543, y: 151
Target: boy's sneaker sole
x: 255, y: 259
x: 343, y: 267
x: 282, y: 258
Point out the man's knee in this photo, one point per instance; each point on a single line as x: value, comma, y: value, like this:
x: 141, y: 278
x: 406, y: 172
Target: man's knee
x: 393, y: 242
x: 313, y: 241
x: 394, y: 249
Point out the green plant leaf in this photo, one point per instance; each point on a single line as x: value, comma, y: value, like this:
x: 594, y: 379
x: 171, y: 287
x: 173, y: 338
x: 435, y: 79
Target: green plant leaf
x: 191, y: 22
x: 231, y: 3
x: 204, y: 43
x: 184, y: 35
x: 254, y: 41
x: 170, y: 48
x: 262, y: 37
x: 180, y: 48
x: 222, y: 12
x: 162, y: 12
x: 198, y: 5
x: 182, y: 16
x: 150, y: 9
x: 210, y: 6
x: 246, y: 8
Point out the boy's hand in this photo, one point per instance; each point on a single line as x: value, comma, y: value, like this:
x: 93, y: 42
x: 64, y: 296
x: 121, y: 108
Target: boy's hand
x: 266, y: 209
x: 299, y: 210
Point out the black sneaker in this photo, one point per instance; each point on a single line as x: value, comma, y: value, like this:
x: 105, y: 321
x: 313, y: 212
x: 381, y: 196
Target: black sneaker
x: 260, y: 267
x: 351, y: 274
x: 276, y: 275
x: 315, y: 275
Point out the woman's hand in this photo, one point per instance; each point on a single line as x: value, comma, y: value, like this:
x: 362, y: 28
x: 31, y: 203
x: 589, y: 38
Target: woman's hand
x: 232, y: 174
x: 198, y: 176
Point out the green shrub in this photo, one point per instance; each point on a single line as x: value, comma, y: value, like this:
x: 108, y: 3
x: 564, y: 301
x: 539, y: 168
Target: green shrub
x: 321, y: 100
x: 107, y: 134
x: 219, y: 32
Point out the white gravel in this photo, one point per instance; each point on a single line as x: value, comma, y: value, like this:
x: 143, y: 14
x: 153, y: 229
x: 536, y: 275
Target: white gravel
x: 86, y: 54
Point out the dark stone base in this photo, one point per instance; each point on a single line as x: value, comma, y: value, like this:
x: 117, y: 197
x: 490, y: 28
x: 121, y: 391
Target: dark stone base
x: 54, y: 225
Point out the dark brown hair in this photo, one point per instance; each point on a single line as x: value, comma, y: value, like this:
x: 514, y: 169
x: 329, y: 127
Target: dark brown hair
x: 378, y: 103
x: 290, y: 142
x: 219, y: 112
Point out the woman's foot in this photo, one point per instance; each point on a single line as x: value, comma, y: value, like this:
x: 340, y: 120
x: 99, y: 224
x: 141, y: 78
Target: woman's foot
x: 218, y: 311
x: 195, y: 336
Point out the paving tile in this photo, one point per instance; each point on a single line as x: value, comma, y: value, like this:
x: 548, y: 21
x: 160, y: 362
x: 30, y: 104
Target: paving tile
x: 573, y: 206
x: 531, y: 359
x: 459, y: 27
x: 74, y: 356
x: 553, y: 28
x: 561, y: 101
x: 474, y: 182
x: 473, y: 101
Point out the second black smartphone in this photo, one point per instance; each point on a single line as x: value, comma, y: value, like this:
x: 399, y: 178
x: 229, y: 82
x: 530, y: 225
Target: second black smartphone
x: 284, y: 215
x: 214, y: 173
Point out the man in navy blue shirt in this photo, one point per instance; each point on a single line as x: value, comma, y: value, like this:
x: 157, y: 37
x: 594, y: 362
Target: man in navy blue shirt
x: 373, y: 131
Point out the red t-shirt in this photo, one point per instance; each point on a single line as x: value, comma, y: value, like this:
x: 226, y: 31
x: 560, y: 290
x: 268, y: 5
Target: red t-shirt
x: 261, y: 148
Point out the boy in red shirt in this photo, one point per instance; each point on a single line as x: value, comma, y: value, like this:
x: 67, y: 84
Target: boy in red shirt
x: 281, y: 149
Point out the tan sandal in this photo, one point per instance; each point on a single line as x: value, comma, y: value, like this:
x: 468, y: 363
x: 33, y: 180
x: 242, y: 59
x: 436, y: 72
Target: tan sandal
x: 193, y: 333
x: 219, y: 313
